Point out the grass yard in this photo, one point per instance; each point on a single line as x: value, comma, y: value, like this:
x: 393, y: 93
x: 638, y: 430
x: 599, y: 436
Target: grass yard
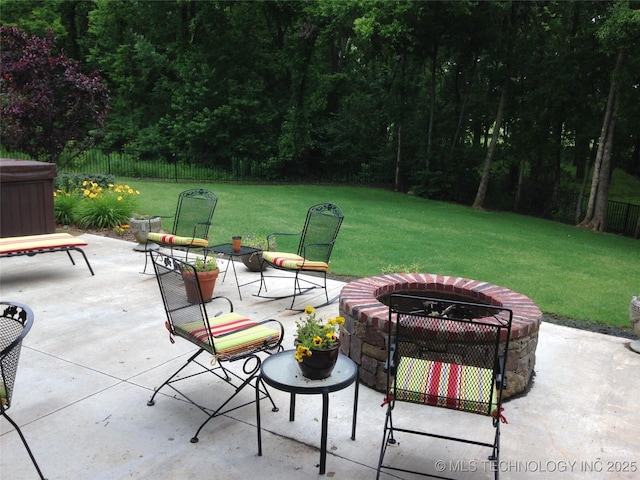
x: 567, y: 271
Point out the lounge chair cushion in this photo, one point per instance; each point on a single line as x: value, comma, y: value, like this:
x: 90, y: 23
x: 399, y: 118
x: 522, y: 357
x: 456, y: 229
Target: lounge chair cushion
x: 169, y: 239
x: 3, y: 393
x: 292, y: 261
x: 231, y: 344
x: 42, y: 242
x: 449, y: 385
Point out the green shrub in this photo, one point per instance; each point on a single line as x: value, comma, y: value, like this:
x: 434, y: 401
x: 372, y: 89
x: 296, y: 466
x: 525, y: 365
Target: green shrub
x: 95, y: 206
x: 65, y: 205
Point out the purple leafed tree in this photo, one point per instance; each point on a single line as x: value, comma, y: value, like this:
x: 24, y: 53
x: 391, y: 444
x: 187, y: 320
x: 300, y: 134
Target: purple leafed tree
x: 47, y: 105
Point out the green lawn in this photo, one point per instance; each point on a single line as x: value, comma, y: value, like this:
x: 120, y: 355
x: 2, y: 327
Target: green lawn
x: 565, y: 270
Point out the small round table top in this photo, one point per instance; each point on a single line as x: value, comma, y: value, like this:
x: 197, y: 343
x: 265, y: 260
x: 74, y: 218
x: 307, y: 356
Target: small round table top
x: 281, y: 371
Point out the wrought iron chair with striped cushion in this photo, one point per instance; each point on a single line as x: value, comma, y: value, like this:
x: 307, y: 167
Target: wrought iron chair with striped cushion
x: 191, y: 223
x: 227, y: 337
x: 445, y: 353
x: 15, y: 322
x: 316, y: 241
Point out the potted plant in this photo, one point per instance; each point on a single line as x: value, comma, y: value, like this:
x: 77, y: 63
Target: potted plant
x: 207, y: 271
x: 253, y: 261
x: 317, y: 344
x: 634, y: 317
x: 140, y: 225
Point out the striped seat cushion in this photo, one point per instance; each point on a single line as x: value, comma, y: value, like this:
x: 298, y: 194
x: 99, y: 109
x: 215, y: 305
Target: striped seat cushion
x: 294, y: 262
x: 45, y: 241
x: 234, y: 343
x: 169, y: 239
x: 449, y: 385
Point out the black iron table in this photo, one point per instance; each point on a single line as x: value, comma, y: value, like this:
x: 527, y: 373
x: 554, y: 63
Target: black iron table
x: 281, y: 372
x: 226, y: 249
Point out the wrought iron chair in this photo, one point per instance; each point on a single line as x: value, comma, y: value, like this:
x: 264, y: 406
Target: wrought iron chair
x: 316, y: 241
x: 228, y: 337
x: 449, y: 354
x: 15, y: 323
x: 191, y: 223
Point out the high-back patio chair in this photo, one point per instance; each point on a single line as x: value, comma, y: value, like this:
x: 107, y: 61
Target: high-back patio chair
x: 449, y: 354
x: 316, y: 241
x: 191, y: 222
x: 15, y: 322
x: 227, y: 337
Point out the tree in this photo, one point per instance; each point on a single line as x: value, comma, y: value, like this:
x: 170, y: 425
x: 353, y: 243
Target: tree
x: 621, y: 33
x: 47, y: 105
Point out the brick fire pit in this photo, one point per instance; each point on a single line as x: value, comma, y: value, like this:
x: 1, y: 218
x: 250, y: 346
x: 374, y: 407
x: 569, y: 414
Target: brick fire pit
x: 366, y: 319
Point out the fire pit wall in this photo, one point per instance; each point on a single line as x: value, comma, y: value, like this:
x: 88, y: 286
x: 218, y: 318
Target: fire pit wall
x: 366, y: 337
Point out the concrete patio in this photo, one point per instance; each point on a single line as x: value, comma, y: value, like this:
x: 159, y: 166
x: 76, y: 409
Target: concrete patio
x: 99, y: 347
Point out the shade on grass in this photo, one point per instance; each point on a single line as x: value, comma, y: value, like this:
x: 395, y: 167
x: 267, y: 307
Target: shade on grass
x: 567, y: 271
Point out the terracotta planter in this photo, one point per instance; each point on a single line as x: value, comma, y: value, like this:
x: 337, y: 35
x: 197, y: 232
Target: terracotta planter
x: 320, y: 364
x: 253, y: 261
x: 207, y: 282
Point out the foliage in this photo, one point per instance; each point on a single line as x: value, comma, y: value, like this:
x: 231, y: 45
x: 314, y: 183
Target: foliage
x: 259, y: 241
x: 75, y: 181
x: 47, y: 104
x: 94, y: 206
x: 65, y: 205
x: 396, y: 92
x: 313, y: 334
x: 205, y: 264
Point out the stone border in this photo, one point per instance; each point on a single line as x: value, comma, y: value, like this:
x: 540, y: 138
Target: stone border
x: 367, y: 322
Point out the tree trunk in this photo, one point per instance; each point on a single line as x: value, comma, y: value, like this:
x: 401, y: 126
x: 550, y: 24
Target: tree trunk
x: 595, y: 217
x: 398, y: 157
x: 486, y: 173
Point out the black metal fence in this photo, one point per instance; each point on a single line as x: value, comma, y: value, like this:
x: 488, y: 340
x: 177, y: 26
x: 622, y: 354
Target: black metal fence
x: 566, y: 207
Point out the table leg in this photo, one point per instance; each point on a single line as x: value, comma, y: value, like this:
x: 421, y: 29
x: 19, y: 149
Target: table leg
x: 259, y: 426
x: 292, y: 407
x: 323, y: 435
x: 233, y: 264
x: 355, y: 405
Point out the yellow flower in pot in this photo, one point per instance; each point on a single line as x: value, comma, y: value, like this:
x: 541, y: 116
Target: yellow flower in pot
x: 317, y: 344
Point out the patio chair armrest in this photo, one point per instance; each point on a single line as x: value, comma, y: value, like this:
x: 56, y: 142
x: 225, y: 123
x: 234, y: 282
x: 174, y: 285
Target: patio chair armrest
x: 195, y: 228
x: 308, y: 248
x: 219, y: 297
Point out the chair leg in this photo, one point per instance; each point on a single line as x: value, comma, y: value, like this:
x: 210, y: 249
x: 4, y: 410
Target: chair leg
x: 387, y: 439
x: 495, y: 454
x: 151, y: 401
x: 247, y: 382
x: 26, y: 445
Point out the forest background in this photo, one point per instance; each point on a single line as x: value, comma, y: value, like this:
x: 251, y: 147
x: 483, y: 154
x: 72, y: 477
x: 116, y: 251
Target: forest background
x: 449, y: 100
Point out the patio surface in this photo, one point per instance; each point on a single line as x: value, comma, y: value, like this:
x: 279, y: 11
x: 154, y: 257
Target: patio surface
x: 99, y: 347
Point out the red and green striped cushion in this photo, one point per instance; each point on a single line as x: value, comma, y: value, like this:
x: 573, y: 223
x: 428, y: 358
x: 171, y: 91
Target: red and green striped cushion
x: 449, y: 385
x: 234, y: 343
x: 169, y: 239
x: 294, y: 262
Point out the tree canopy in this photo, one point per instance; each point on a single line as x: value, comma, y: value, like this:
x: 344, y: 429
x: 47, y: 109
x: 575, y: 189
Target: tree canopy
x: 446, y: 98
x: 47, y: 104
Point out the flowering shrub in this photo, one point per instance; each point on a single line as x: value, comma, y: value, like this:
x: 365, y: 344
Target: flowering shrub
x: 312, y: 334
x: 94, y: 206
